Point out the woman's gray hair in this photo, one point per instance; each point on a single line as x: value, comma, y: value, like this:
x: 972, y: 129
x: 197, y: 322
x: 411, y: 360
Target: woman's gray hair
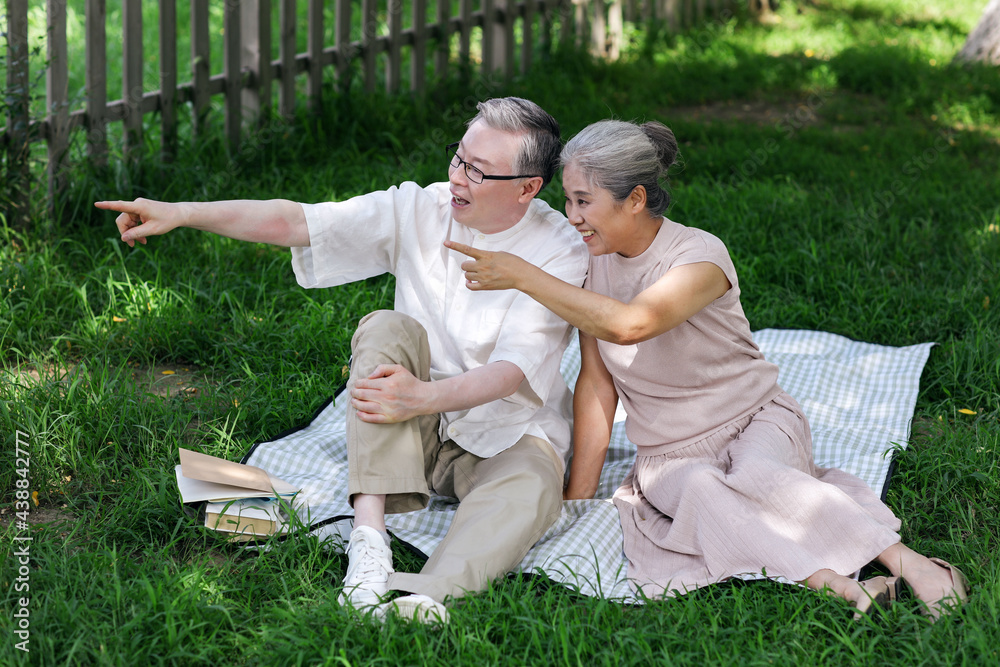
x: 540, y: 142
x: 617, y: 156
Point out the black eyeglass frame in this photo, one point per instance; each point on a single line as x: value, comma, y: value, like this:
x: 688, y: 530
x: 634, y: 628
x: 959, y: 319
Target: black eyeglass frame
x: 452, y: 149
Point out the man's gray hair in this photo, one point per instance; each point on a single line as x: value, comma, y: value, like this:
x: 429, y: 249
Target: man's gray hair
x: 617, y: 156
x: 540, y: 143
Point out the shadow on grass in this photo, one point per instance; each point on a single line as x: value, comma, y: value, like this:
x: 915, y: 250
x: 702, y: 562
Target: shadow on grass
x: 829, y: 15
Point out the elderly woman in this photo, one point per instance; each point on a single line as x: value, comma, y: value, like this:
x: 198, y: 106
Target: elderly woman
x: 724, y: 481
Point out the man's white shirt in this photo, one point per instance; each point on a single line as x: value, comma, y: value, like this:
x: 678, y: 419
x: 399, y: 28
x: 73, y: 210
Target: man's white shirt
x: 401, y: 231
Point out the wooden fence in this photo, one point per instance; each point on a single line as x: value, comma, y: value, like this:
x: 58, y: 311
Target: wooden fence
x: 249, y: 72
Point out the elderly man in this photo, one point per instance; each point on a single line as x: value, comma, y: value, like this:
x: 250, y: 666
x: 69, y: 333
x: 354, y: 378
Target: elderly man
x: 454, y: 391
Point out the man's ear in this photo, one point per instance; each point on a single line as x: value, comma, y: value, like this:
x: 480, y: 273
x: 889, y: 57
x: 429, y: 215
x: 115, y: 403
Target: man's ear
x: 530, y: 189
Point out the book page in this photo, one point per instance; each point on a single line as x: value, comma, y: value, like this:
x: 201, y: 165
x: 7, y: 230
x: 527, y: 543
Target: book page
x: 196, y: 465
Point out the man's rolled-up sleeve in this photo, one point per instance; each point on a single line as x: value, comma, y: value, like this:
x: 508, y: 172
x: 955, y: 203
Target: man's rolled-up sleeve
x: 353, y: 239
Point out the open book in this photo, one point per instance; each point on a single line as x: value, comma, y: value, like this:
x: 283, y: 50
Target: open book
x: 243, y: 501
x: 247, y: 518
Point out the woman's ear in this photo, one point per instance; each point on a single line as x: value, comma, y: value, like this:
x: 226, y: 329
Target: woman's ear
x: 637, y: 199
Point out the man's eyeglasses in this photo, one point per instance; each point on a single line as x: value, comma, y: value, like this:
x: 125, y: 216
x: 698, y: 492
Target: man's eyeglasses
x: 474, y: 173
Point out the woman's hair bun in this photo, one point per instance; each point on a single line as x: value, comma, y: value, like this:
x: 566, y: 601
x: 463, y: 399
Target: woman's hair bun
x: 663, y: 139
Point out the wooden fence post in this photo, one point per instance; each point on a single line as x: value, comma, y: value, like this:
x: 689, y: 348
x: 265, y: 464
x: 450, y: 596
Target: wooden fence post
x: 255, y: 57
x: 132, y: 89
x: 567, y: 27
x: 489, y: 36
x: 18, y: 180
x: 443, y: 17
x: 315, y: 47
x: 57, y: 101
x: 545, y: 24
x: 394, y: 14
x: 616, y: 30
x: 369, y: 27
x: 343, y: 43
x: 527, y: 35
x: 418, y: 54
x: 503, y: 41
x: 670, y: 14
x: 233, y: 74
x: 97, y: 82
x: 289, y: 69
x: 200, y: 54
x: 580, y: 22
x: 465, y: 32
x: 598, y: 29
x: 168, y: 80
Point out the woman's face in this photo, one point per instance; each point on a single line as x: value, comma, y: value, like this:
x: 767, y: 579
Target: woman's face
x: 606, y: 225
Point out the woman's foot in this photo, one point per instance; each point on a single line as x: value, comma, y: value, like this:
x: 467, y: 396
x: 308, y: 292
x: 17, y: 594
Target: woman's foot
x: 864, y: 595
x: 936, y: 583
x: 943, y: 588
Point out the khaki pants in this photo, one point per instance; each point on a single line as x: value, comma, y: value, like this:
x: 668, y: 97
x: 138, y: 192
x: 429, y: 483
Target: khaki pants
x: 508, y: 501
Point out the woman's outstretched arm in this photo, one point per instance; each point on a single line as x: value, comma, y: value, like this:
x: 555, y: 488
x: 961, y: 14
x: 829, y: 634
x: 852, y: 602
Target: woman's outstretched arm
x: 671, y: 300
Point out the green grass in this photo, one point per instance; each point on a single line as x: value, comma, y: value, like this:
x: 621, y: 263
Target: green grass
x: 865, y: 205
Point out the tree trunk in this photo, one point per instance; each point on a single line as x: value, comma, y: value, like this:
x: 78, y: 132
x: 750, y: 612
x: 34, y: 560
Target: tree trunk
x: 983, y: 44
x: 763, y: 11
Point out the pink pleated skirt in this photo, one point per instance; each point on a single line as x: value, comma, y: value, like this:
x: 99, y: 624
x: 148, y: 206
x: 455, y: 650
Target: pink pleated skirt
x: 747, y: 499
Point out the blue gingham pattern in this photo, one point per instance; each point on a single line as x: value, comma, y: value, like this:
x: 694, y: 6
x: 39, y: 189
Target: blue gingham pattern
x: 859, y: 398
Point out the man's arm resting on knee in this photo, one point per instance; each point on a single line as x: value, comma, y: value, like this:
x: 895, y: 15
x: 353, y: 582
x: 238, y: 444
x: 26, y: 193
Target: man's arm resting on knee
x: 392, y: 394
x: 275, y: 221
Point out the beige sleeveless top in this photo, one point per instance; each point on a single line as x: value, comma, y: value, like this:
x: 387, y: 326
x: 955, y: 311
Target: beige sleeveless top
x: 697, y: 378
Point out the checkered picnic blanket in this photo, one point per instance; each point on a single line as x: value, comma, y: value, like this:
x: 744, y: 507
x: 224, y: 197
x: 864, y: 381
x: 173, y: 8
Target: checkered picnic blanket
x: 859, y: 399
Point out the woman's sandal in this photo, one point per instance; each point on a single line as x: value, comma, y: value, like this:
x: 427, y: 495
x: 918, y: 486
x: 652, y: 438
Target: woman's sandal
x: 895, y: 588
x: 881, y: 591
x: 948, y: 603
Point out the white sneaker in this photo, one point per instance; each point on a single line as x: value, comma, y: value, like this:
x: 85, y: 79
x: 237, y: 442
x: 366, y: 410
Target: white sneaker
x: 420, y: 608
x: 369, y: 564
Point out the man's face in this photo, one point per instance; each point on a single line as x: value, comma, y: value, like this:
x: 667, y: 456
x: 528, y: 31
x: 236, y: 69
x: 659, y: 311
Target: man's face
x: 490, y: 206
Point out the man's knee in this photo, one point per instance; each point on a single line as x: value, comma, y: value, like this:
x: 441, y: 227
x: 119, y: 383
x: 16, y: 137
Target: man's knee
x: 389, y: 323
x: 387, y: 336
